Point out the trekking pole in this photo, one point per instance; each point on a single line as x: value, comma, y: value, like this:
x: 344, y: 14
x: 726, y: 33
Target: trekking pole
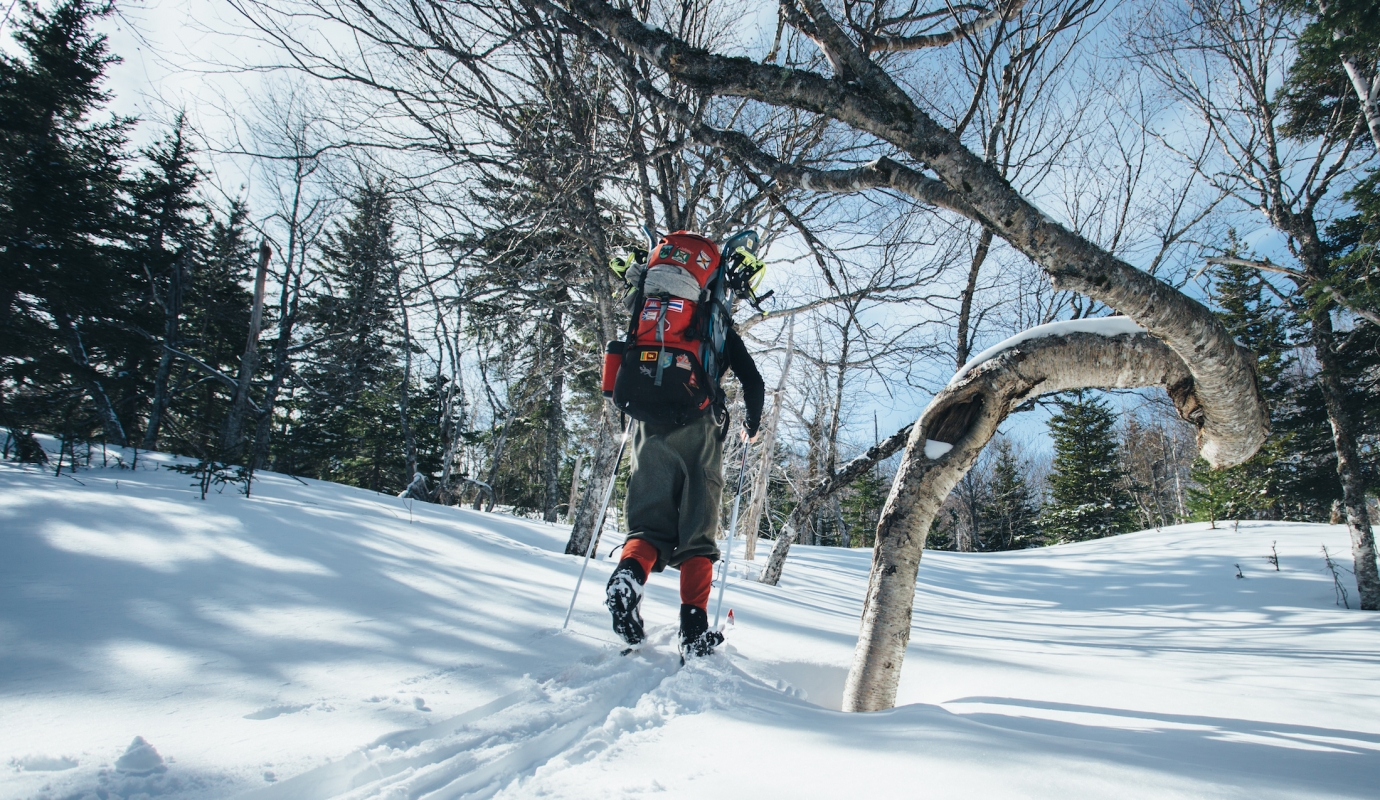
x: 732, y: 531
x: 599, y: 523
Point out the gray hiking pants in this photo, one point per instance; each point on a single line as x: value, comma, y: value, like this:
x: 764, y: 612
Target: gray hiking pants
x: 675, y: 487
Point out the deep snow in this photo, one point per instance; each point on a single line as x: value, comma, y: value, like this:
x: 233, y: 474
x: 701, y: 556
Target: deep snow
x: 322, y: 641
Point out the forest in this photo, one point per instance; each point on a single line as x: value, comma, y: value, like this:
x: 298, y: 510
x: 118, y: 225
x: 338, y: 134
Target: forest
x: 389, y: 266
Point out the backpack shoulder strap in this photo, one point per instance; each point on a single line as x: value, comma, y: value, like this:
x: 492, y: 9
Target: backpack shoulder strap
x: 639, y: 299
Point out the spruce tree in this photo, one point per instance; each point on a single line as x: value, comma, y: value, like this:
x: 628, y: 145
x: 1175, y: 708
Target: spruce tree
x: 62, y: 216
x: 1010, y: 516
x: 346, y: 426
x: 1087, y: 497
x: 862, y: 505
x: 1254, y: 488
x: 1238, y: 493
x: 218, y: 305
x: 166, y: 240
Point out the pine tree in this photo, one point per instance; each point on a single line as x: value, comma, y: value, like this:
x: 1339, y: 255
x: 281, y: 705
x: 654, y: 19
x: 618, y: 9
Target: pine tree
x: 1010, y: 515
x: 863, y: 505
x: 1238, y: 493
x: 62, y: 217
x: 1087, y: 496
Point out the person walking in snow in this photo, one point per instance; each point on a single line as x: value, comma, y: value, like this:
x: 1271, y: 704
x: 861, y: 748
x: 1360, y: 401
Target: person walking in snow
x: 675, y: 485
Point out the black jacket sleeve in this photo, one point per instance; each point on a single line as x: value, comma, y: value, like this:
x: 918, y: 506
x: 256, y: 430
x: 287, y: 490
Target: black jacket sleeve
x: 754, y: 391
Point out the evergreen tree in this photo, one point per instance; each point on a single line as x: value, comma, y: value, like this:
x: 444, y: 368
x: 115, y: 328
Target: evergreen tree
x: 1087, y: 497
x: 862, y: 506
x: 533, y: 259
x: 218, y: 305
x: 1270, y: 480
x: 62, y: 217
x: 1237, y: 493
x: 345, y: 421
x: 166, y: 240
x: 1010, y: 515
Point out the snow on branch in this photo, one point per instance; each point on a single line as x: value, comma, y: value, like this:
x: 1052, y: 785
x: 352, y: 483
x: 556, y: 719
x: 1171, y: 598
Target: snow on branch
x: 1102, y: 326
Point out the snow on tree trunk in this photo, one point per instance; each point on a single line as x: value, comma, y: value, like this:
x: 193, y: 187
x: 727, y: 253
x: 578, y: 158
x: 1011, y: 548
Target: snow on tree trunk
x: 944, y: 445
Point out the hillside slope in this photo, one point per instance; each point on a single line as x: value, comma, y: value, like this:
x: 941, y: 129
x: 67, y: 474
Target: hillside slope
x: 317, y: 640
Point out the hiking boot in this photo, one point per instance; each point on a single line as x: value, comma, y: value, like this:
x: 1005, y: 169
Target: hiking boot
x: 623, y: 596
x: 695, y: 637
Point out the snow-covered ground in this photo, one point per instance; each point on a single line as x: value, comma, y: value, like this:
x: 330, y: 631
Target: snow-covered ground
x: 319, y: 641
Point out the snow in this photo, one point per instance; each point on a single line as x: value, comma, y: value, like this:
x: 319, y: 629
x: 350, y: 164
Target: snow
x: 934, y: 450
x: 320, y: 641
x: 1103, y: 326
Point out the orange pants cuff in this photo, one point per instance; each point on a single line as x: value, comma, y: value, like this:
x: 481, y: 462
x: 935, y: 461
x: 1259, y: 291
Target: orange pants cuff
x: 643, y: 552
x: 696, y: 577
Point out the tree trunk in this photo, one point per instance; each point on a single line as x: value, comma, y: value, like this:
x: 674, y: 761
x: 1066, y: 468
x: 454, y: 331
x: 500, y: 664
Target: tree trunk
x: 965, y: 309
x: 1367, y: 87
x: 1364, y: 81
x: 574, y: 487
x: 551, y: 467
x: 232, y: 434
x: 588, y: 520
x: 404, y: 393
x: 965, y: 415
x: 752, y: 518
x: 172, y: 318
x: 450, y: 431
x: 499, y: 447
x: 1348, y: 464
x: 282, y: 367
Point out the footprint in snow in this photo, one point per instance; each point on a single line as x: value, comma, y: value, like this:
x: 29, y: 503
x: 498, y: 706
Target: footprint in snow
x: 269, y: 712
x: 43, y: 763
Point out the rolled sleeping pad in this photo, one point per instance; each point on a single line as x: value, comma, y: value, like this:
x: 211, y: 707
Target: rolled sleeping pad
x: 613, y: 359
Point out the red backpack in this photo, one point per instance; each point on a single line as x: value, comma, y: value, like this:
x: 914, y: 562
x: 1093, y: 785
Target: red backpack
x: 671, y: 358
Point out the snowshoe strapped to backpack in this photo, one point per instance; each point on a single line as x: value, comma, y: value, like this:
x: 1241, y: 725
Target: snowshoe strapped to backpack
x: 671, y: 359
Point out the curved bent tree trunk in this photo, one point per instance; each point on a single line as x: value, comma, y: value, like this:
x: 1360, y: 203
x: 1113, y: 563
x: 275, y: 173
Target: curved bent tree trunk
x: 966, y: 415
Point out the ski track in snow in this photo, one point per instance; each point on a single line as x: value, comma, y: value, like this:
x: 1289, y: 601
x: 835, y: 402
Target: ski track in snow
x: 497, y: 749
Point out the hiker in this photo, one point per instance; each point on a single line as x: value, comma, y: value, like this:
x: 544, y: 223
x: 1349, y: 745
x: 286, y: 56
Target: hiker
x: 675, y: 485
